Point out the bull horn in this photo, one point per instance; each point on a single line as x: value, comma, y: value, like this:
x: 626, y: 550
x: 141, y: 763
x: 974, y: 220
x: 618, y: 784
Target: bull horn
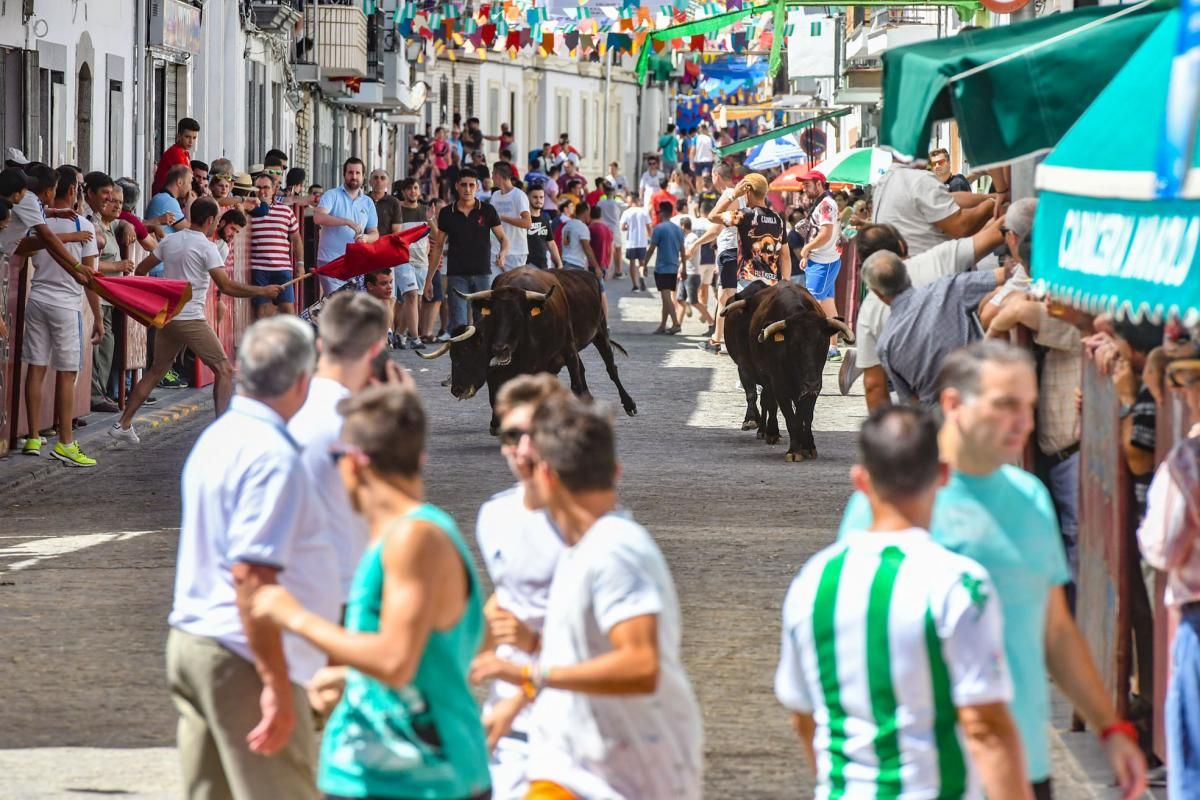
x: 486, y: 294
x: 731, y: 306
x: 772, y: 329
x: 441, y: 351
x: 842, y: 328
x: 469, y: 332
x: 539, y: 297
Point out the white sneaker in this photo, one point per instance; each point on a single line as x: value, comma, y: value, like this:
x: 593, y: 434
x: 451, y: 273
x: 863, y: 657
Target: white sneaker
x: 849, y: 371
x: 127, y: 435
x: 444, y: 336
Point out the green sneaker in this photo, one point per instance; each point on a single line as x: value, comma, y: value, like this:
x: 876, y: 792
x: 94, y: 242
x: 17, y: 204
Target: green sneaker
x: 33, y: 446
x: 71, y: 455
x: 833, y: 355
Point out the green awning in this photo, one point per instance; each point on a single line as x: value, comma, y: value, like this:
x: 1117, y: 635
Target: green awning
x: 782, y: 130
x: 1100, y: 239
x: 1016, y: 89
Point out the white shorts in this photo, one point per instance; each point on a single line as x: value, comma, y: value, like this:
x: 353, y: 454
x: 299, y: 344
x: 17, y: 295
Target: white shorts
x: 508, y: 766
x: 706, y: 274
x: 53, y: 337
x: 510, y: 262
x: 405, y: 279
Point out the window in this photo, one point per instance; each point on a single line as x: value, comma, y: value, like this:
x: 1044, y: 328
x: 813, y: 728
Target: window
x: 444, y: 100
x: 585, y: 132
x: 470, y: 110
x: 597, y: 125
x: 114, y: 156
x: 456, y: 109
x: 256, y: 111
x: 493, y: 110
x: 276, y: 114
x: 562, y: 116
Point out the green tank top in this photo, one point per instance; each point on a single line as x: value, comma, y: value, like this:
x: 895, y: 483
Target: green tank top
x: 424, y: 740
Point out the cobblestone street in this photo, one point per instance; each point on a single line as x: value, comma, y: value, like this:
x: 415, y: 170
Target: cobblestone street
x: 87, y: 563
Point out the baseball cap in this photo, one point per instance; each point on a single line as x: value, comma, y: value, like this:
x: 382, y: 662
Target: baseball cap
x: 814, y: 175
x: 16, y: 158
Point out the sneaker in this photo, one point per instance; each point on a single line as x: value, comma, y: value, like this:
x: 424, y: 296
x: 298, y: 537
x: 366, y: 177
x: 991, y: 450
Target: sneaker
x: 444, y: 336
x: 416, y: 344
x: 149, y: 401
x: 172, y: 381
x: 833, y: 355
x: 104, y: 405
x: 33, y: 446
x: 127, y: 435
x: 849, y: 372
x: 71, y: 455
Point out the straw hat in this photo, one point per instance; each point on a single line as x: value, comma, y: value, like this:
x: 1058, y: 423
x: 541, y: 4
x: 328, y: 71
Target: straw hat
x: 243, y: 184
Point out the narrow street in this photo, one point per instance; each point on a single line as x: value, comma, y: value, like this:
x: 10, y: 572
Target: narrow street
x: 87, y: 564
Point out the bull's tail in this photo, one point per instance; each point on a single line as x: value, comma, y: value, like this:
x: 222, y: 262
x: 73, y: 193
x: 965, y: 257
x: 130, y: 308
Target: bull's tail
x: 618, y: 346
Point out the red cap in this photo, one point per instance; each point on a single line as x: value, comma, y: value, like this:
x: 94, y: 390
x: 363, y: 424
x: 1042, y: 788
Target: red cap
x: 814, y: 175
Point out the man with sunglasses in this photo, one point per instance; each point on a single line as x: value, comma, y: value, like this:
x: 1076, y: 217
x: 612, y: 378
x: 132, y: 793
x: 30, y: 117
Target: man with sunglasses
x: 939, y: 162
x: 651, y: 181
x: 520, y: 550
x: 276, y: 249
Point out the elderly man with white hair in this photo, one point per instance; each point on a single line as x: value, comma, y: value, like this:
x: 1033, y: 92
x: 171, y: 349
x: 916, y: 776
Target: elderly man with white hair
x: 237, y: 684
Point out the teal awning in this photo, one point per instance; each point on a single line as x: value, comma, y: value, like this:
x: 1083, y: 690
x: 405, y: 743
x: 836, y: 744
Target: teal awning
x: 1101, y: 240
x: 782, y: 130
x: 1014, y: 89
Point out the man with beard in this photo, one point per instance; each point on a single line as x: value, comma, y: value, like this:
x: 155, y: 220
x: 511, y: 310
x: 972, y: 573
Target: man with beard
x: 347, y: 215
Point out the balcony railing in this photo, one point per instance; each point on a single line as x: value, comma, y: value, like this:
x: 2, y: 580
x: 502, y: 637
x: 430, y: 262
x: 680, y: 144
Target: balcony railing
x: 334, y: 41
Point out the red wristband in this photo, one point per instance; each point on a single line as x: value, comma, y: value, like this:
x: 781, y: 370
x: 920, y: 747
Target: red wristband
x: 1120, y: 727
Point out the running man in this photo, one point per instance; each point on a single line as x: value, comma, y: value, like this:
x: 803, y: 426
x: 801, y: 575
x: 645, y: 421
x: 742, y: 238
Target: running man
x: 893, y: 653
x: 520, y: 549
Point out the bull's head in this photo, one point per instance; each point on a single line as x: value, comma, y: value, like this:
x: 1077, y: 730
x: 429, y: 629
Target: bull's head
x: 505, y: 315
x: 803, y: 340
x: 468, y: 361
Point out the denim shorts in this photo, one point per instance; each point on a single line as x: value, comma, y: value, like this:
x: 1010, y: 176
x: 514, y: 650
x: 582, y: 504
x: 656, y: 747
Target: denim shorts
x: 272, y: 277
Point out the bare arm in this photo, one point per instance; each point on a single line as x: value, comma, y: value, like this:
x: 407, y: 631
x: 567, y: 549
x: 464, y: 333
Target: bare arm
x: 785, y: 259
x: 146, y: 264
x: 591, y: 256
x: 323, y: 218
x: 823, y: 237
x: 554, y: 253
x: 806, y: 727
x: 371, y: 235
x: 227, y: 285
x: 266, y: 645
x: 1074, y: 672
x: 995, y: 748
x: 524, y: 221
x: 989, y: 238
x: 875, y: 387
x: 709, y: 235
x: 967, y: 221
x: 436, y: 245
x: 297, y: 251
x: 58, y: 251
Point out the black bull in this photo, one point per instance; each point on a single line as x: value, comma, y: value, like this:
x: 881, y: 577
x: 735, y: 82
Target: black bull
x: 531, y: 321
x: 779, y: 338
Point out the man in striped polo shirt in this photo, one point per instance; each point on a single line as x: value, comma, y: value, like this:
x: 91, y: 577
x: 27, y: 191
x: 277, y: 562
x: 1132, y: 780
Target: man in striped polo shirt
x: 893, y: 654
x: 276, y: 249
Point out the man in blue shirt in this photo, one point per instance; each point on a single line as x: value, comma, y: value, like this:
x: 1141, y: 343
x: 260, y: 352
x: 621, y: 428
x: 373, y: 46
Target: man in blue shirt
x: 1003, y: 517
x: 164, y: 214
x: 346, y: 214
x: 667, y: 240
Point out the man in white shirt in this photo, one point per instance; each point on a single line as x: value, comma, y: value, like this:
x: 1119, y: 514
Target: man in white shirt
x: 924, y: 211
x: 615, y: 715
x: 704, y: 153
x: 947, y: 258
x: 512, y: 205
x: 636, y: 230
x: 619, y: 184
x: 893, y: 651
x: 651, y: 180
x: 245, y: 727
x: 520, y: 549
x: 352, y: 331
x: 577, y: 239
x: 54, y: 326
x: 191, y: 256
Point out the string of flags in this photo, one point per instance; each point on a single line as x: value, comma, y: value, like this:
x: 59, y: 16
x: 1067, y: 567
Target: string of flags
x: 554, y: 27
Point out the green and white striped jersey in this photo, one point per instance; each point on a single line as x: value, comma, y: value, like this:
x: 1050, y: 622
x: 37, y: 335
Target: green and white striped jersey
x: 885, y: 635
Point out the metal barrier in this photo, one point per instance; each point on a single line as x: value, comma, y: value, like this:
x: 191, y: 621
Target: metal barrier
x: 1102, y: 593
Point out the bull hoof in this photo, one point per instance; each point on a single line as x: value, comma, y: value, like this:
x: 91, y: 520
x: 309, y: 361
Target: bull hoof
x: 631, y: 410
x: 811, y: 453
x: 793, y: 457
x: 494, y: 429
x: 762, y: 434
x: 772, y: 438
x: 749, y: 424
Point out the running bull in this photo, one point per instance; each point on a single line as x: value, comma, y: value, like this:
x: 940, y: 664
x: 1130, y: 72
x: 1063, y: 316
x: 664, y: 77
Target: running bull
x: 786, y: 345
x: 530, y: 321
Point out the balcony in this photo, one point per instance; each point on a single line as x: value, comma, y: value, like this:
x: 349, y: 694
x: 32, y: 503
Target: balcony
x: 275, y: 16
x: 333, y: 43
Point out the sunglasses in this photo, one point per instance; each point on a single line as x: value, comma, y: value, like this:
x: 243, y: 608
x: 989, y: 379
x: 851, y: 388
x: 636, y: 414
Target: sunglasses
x: 938, y: 162
x: 510, y: 437
x: 339, y: 451
x: 274, y: 171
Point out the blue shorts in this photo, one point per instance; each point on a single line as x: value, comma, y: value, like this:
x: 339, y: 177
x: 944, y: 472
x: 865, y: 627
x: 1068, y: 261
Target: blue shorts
x: 636, y: 254
x: 821, y: 279
x: 272, y: 277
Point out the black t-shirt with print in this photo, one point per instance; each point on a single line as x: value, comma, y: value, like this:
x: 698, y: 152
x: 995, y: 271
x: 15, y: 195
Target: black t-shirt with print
x: 538, y: 235
x: 761, y: 239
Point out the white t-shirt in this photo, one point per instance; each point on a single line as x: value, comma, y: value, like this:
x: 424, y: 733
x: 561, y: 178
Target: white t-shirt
x: 692, y: 265
x: 520, y: 549
x: 51, y: 284
x: 649, y: 184
x: 913, y: 200
x: 189, y: 255
x: 825, y: 213
x: 315, y: 427
x: 702, y: 149
x: 644, y: 747
x: 634, y: 224
x: 727, y: 239
x: 511, y: 205
x: 855, y: 649
x: 574, y: 234
x: 947, y: 258
x: 25, y: 215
